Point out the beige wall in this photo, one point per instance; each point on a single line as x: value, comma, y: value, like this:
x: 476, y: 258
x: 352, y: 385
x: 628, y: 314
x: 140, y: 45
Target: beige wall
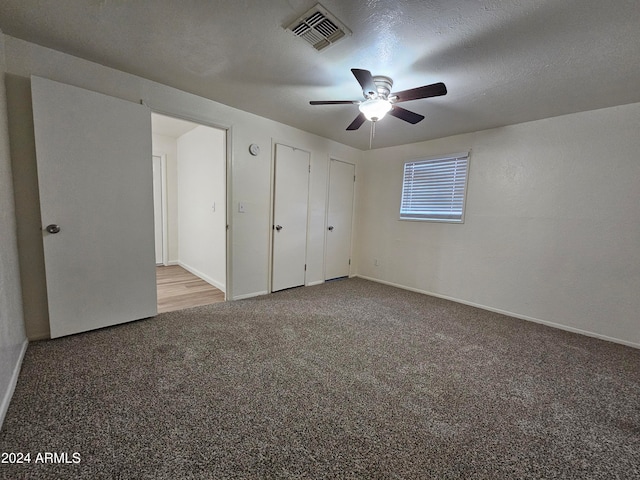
x: 12, y: 334
x: 552, y: 223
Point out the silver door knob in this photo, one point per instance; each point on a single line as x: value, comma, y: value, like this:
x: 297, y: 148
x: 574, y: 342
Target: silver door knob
x: 278, y: 227
x: 330, y: 228
x: 53, y: 228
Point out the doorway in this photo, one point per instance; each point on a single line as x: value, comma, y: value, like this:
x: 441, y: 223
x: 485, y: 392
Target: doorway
x: 193, y: 269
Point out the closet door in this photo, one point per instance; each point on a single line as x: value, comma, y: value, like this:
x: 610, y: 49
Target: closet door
x: 339, y: 219
x: 96, y: 198
x: 290, y: 205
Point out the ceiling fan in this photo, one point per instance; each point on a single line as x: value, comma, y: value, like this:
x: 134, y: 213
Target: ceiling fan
x: 379, y: 100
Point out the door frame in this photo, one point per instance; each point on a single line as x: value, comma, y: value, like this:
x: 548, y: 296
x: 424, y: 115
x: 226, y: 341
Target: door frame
x: 163, y: 181
x: 272, y: 198
x: 207, y: 122
x: 326, y: 215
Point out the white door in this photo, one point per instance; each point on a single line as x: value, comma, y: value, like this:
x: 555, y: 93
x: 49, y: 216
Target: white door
x: 95, y: 183
x: 291, y: 197
x: 339, y: 219
x: 158, y: 222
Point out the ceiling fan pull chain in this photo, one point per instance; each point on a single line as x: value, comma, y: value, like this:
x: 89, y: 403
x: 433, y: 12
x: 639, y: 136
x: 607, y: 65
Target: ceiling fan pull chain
x: 372, y: 133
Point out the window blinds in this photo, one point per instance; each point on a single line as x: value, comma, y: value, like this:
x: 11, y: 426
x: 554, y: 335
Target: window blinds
x: 435, y: 189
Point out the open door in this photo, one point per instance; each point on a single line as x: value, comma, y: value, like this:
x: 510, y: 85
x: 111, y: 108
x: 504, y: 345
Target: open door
x: 96, y: 198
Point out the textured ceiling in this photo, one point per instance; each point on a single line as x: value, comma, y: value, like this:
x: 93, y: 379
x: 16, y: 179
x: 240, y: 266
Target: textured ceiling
x: 503, y: 61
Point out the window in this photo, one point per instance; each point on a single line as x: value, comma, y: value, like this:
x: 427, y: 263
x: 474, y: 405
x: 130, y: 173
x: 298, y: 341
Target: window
x: 434, y: 190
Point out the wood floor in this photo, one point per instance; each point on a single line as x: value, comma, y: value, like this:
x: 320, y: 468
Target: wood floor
x: 179, y: 289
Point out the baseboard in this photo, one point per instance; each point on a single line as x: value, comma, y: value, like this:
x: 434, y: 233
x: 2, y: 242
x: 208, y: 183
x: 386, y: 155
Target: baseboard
x: 34, y: 337
x: 4, y: 406
x: 510, y: 314
x: 203, y: 276
x: 249, y: 295
x: 320, y: 282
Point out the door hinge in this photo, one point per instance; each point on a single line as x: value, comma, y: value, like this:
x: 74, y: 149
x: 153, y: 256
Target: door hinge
x: 354, y: 178
x: 349, y: 261
x: 305, y: 267
x: 309, y: 168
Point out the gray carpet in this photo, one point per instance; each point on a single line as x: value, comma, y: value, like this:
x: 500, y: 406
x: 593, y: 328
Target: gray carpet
x: 350, y: 379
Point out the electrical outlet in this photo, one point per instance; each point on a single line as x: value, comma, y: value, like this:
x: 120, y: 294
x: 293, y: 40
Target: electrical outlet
x: 240, y: 207
x: 376, y: 263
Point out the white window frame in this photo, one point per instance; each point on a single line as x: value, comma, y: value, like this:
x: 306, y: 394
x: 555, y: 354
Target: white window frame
x: 449, y: 164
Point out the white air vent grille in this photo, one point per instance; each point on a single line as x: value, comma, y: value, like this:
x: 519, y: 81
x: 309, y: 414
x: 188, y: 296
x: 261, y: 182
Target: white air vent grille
x: 319, y: 28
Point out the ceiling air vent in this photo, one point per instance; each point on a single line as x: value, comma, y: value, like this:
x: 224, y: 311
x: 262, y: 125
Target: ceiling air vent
x: 319, y: 28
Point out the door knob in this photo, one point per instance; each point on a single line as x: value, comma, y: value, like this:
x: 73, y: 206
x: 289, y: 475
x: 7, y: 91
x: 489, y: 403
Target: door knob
x: 53, y: 228
x: 330, y: 228
x: 278, y: 227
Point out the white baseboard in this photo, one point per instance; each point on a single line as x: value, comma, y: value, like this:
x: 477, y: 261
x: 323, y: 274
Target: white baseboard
x: 510, y: 314
x: 318, y: 282
x: 249, y: 295
x: 6, y: 399
x: 203, y: 276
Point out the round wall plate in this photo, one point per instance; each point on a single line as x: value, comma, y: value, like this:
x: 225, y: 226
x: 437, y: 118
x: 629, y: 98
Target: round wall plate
x: 254, y: 149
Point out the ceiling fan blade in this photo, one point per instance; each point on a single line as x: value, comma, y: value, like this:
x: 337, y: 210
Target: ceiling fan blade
x: 334, y: 102
x: 359, y: 120
x: 433, y: 90
x: 406, y: 115
x: 365, y: 79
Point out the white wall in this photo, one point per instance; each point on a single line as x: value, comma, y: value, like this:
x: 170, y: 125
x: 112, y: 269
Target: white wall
x: 552, y: 224
x: 13, y: 341
x: 250, y: 176
x: 201, y: 204
x: 168, y: 146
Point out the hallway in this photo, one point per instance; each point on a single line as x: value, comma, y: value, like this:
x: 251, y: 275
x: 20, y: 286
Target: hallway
x: 179, y: 289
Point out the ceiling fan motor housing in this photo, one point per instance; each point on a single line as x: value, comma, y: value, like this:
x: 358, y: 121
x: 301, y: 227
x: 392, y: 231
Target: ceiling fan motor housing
x: 383, y: 85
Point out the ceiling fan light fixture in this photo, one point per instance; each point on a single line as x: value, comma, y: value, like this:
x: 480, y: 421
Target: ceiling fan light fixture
x: 379, y: 100
x: 375, y: 109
